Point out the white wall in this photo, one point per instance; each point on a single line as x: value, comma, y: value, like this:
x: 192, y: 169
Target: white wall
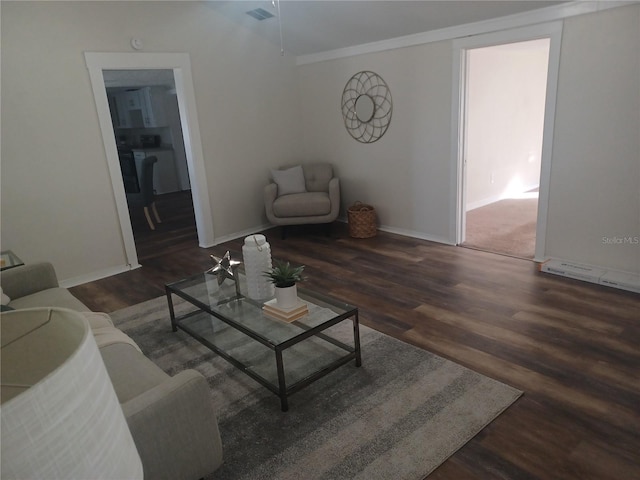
x: 505, y: 116
x: 406, y: 175
x: 595, y: 176
x: 57, y: 202
x: 56, y: 197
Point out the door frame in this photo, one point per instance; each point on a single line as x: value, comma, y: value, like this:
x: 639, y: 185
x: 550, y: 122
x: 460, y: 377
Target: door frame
x: 552, y: 31
x: 181, y: 65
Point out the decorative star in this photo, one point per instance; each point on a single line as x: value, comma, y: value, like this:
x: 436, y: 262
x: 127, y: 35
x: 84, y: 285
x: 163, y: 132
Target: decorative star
x: 224, y: 267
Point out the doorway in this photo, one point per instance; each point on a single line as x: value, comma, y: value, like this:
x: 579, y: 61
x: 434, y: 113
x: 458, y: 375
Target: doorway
x: 180, y: 65
x: 505, y: 100
x: 494, y: 174
x: 146, y: 122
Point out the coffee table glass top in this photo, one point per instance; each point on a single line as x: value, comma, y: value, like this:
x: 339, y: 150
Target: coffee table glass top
x: 283, y: 356
x: 247, y: 314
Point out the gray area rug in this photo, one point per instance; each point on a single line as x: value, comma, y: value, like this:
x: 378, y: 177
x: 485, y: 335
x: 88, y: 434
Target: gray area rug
x: 399, y: 416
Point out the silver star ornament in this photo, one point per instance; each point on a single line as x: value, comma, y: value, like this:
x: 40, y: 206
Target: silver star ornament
x: 224, y: 268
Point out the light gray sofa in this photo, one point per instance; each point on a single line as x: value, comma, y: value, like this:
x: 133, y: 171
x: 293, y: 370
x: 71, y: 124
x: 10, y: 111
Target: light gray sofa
x: 299, y: 198
x: 172, y: 419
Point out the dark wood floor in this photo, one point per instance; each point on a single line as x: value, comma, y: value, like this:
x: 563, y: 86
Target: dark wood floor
x: 572, y: 347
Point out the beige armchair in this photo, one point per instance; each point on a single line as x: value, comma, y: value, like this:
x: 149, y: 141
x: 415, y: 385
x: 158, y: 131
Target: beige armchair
x: 301, y: 195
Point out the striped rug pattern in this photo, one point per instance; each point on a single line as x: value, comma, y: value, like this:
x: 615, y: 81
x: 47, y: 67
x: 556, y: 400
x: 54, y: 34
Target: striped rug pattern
x: 399, y: 416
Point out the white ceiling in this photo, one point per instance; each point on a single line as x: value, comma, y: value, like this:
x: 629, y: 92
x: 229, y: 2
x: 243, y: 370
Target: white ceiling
x: 314, y: 26
x: 311, y: 26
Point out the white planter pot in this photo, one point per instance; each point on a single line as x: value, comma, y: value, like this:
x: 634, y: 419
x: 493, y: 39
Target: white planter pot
x: 286, y: 297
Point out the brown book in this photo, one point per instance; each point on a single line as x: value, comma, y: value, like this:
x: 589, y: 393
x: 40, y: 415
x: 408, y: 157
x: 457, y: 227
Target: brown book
x: 273, y: 307
x: 284, y: 318
x: 288, y: 315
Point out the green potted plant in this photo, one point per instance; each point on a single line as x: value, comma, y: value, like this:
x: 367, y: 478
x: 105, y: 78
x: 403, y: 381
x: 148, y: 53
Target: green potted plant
x: 284, y: 276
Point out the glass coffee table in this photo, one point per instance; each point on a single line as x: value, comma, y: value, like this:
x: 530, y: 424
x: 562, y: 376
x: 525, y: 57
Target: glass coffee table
x: 284, y: 357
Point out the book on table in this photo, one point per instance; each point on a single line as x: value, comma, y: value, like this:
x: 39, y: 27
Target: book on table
x: 271, y: 309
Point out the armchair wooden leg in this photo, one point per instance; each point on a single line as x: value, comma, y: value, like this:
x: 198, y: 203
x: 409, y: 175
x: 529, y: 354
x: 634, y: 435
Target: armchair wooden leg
x: 155, y: 212
x: 146, y: 214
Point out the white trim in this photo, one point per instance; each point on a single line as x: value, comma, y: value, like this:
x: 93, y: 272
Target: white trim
x: 414, y: 234
x: 457, y: 226
x: 108, y: 272
x: 181, y: 66
x: 407, y: 233
x: 547, y: 143
x: 496, y: 198
x: 542, y: 15
x: 243, y: 233
x: 553, y: 31
x: 92, y: 277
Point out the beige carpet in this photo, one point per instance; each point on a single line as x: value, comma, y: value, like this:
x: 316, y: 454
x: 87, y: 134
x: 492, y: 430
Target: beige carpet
x: 399, y: 416
x: 507, y: 227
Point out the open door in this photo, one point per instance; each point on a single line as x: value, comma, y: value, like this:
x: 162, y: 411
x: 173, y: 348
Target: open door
x: 504, y: 119
x: 550, y: 33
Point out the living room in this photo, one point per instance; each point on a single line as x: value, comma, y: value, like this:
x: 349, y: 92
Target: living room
x: 407, y: 177
x: 258, y: 110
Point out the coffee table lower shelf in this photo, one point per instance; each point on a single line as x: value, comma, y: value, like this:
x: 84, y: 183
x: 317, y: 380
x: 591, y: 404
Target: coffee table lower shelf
x: 299, y: 361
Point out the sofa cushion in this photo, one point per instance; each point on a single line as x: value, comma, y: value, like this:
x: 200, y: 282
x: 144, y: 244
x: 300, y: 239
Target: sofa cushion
x: 302, y: 205
x: 98, y: 320
x: 289, y: 181
x: 51, y: 297
x: 109, y: 335
x: 131, y: 372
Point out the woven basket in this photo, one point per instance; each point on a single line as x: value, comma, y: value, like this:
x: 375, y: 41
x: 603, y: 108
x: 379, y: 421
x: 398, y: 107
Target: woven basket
x: 362, y: 220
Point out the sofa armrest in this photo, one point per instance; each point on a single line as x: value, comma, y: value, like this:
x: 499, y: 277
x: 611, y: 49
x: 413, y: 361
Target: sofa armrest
x: 175, y: 428
x: 27, y: 279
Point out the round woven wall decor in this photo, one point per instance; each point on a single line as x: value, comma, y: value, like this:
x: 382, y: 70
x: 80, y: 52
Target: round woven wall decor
x: 366, y: 106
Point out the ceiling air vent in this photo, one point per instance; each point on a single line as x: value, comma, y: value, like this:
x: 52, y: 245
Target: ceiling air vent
x: 260, y: 14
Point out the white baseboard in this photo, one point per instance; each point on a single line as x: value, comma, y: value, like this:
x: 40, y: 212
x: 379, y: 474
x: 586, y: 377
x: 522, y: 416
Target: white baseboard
x: 93, y: 276
x: 496, y: 198
x: 483, y: 203
x: 408, y: 233
x: 414, y: 234
x: 243, y: 233
x: 108, y: 272
x: 589, y: 273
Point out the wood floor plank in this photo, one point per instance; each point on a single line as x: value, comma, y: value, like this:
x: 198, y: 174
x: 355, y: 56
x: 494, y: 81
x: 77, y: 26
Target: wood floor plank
x: 504, y: 332
x: 528, y: 379
x: 571, y: 346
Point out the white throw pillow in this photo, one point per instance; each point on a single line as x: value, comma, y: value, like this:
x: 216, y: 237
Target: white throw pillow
x: 4, y: 299
x: 290, y: 180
